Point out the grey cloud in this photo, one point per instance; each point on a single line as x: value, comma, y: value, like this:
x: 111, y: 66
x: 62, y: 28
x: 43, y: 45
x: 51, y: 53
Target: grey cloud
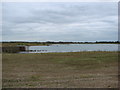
x: 60, y: 21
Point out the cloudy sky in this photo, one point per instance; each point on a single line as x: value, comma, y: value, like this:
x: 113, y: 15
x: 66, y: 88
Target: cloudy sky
x: 60, y: 21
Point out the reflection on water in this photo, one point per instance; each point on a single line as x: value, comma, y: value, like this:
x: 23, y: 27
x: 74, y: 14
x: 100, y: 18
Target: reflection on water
x: 72, y: 48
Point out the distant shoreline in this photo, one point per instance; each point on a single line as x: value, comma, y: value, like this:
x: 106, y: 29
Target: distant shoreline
x: 12, y: 43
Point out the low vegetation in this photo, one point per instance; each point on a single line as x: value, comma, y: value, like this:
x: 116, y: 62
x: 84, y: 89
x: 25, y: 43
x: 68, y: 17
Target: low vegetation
x: 13, y: 43
x: 60, y: 70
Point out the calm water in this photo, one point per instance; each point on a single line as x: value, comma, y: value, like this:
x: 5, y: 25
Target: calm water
x: 72, y: 48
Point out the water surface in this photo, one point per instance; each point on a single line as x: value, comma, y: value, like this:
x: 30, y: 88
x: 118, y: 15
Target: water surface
x: 72, y: 48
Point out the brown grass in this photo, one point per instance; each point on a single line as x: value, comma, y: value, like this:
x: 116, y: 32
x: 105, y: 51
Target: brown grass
x: 60, y: 70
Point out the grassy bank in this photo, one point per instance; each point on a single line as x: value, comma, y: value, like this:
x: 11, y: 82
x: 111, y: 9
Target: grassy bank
x: 75, y: 69
x: 11, y: 44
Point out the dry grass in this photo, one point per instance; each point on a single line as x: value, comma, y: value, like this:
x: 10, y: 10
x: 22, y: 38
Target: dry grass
x: 10, y: 44
x: 60, y: 70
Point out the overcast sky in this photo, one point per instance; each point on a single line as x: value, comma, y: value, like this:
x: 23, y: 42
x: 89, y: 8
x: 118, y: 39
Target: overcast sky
x: 89, y: 21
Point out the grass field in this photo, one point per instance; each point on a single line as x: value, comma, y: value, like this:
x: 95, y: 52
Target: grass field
x: 61, y: 70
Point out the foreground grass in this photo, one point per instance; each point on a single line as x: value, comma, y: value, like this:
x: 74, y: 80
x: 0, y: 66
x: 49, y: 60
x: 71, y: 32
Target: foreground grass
x: 65, y: 70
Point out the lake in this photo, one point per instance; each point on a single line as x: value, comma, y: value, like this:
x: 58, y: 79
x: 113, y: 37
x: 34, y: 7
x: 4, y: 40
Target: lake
x: 71, y: 48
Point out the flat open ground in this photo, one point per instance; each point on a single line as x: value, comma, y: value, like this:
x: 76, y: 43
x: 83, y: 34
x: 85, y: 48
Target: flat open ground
x: 61, y: 70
